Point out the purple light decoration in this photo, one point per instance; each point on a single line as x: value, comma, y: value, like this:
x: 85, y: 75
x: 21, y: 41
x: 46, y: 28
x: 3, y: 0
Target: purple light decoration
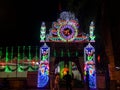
x: 68, y: 27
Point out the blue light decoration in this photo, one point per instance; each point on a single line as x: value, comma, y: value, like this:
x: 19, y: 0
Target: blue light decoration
x: 43, y: 71
x: 89, y: 66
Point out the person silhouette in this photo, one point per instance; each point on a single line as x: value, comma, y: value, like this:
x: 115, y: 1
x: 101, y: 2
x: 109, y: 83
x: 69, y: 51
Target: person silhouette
x: 56, y: 82
x: 68, y: 80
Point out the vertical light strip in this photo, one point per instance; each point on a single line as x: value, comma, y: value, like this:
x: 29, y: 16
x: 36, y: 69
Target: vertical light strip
x: 7, y: 59
x: 11, y: 53
x: 18, y: 60
x: 23, y: 52
x: 30, y: 58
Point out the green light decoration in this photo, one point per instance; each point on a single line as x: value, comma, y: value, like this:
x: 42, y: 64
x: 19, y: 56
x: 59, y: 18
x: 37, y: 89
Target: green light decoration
x: 23, y: 52
x: 0, y: 52
x: 11, y: 53
x: 30, y: 58
x: 76, y: 53
x: 42, y: 32
x: 7, y: 59
x: 55, y: 53
x: 61, y: 69
x: 68, y: 53
x: 44, y: 57
x: 23, y: 55
x: 91, y: 32
x: 19, y: 70
x: 92, y: 38
x: 36, y: 58
x: 62, y: 53
x: 7, y: 55
x: 89, y: 58
x: 18, y: 54
x: 70, y: 67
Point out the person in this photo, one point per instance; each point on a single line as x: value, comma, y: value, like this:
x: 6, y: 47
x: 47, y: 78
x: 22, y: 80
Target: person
x: 56, y: 82
x: 68, y: 80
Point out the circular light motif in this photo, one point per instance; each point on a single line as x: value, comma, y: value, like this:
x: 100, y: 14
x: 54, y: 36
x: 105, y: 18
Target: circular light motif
x: 67, y: 32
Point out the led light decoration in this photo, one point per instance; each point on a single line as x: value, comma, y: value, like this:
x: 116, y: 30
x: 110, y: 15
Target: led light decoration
x: 2, y: 65
x: 91, y: 32
x: 7, y: 61
x: 42, y: 32
x: 30, y: 59
x: 18, y: 58
x: 89, y: 66
x: 43, y: 72
x: 12, y: 67
x: 66, y: 29
x: 67, y: 32
x: 23, y: 63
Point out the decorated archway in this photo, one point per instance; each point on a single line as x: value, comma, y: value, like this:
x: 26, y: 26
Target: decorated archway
x: 63, y: 37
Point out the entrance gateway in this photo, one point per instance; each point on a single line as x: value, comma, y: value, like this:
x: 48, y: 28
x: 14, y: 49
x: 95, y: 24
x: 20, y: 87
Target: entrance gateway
x: 64, y: 48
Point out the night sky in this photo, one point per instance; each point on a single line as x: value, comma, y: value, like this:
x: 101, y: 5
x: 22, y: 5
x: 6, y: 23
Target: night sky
x: 20, y: 21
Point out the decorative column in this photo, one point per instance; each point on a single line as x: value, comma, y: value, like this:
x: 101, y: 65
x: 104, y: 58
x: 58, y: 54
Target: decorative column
x: 43, y: 71
x: 89, y: 66
x: 42, y: 32
x: 91, y: 32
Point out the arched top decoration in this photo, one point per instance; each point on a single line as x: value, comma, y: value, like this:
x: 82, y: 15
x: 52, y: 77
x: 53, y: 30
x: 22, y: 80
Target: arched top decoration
x: 65, y: 29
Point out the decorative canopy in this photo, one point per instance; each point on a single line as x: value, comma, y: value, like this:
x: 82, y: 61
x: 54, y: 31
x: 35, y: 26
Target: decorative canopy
x: 65, y: 29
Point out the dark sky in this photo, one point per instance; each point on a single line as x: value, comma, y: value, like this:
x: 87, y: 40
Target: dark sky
x: 20, y: 20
